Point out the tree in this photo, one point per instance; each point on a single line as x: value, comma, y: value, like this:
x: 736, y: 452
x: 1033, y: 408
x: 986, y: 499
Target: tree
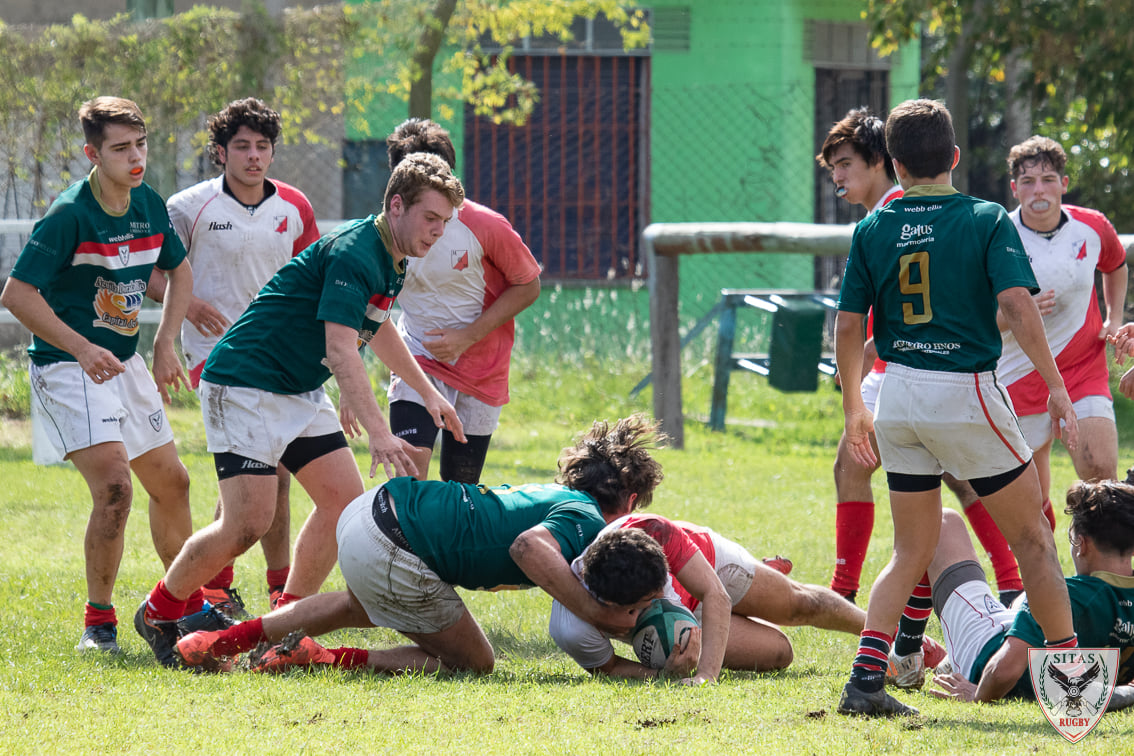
x: 1074, y: 70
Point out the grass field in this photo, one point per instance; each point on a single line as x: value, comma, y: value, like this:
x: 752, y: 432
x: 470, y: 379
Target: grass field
x: 765, y: 482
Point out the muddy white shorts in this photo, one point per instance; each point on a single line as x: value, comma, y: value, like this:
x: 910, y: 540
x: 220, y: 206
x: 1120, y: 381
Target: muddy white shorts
x: 395, y: 587
x: 1037, y: 428
x: 970, y: 615
x: 259, y: 424
x: 927, y: 421
x: 477, y: 418
x: 72, y: 412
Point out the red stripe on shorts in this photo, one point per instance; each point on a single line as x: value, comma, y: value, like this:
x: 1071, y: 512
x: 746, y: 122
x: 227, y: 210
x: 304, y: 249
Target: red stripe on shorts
x: 991, y: 424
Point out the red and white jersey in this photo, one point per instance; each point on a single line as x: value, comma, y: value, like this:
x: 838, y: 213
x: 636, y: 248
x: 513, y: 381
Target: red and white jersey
x: 234, y: 252
x: 1066, y: 264
x: 894, y: 193
x: 478, y: 257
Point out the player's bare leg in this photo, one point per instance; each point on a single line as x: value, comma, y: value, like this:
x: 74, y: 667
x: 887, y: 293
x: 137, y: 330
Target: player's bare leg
x: 917, y: 520
x: 1016, y: 510
x: 782, y: 601
x: 421, y: 456
x: 754, y: 644
x: 106, y: 470
x: 462, y: 647
x: 954, y: 545
x: 1096, y: 455
x: 276, y: 543
x: 332, y: 481
x: 166, y: 480
x: 246, y: 514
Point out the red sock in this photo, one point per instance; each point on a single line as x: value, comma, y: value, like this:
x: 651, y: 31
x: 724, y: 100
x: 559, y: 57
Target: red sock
x: 995, y: 545
x: 350, y: 658
x: 162, y: 605
x: 222, y: 579
x: 278, y: 577
x: 287, y: 598
x: 1049, y: 513
x: 195, y: 602
x: 1072, y: 642
x: 238, y: 638
x: 854, y: 521
x: 98, y: 616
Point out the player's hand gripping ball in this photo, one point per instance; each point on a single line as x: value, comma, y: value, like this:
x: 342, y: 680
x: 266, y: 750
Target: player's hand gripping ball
x: 661, y: 625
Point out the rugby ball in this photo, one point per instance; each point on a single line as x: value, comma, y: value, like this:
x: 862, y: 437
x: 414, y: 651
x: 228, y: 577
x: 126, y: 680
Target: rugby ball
x: 660, y: 626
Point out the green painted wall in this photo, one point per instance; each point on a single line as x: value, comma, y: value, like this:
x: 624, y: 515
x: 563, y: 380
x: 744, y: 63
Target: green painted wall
x: 732, y: 122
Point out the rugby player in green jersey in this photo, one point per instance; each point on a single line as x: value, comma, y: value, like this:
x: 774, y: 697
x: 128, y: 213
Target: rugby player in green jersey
x: 78, y: 286
x: 936, y: 265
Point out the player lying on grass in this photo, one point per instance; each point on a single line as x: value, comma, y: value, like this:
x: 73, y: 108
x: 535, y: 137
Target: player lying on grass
x: 405, y: 546
x: 700, y: 563
x: 988, y: 643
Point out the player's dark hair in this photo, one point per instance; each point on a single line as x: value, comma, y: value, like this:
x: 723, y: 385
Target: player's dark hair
x: 1104, y: 512
x: 250, y: 112
x: 1036, y: 150
x: 610, y: 463
x: 920, y: 136
x: 95, y: 115
x: 623, y: 566
x: 418, y: 172
x: 863, y: 131
x: 420, y: 135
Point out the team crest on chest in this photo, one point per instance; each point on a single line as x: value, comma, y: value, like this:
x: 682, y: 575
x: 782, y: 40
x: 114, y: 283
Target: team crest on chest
x: 460, y: 259
x: 124, y: 254
x: 281, y: 224
x: 1081, y: 245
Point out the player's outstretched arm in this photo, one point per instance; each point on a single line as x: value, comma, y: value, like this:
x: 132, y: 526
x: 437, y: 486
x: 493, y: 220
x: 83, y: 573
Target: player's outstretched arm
x: 387, y: 344
x: 1004, y: 669
x: 167, y: 367
x: 537, y: 553
x: 1024, y: 320
x: 701, y: 581
x: 29, y: 307
x: 850, y: 338
x: 355, y: 392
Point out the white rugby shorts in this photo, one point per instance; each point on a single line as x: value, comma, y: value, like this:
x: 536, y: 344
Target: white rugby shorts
x: 1037, y: 427
x: 970, y: 618
x: 71, y: 412
x: 870, y: 387
x: 929, y: 421
x: 395, y: 587
x: 259, y: 424
x: 477, y: 418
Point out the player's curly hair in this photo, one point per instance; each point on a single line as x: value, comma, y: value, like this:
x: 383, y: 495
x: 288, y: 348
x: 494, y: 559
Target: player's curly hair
x: 612, y: 462
x: 250, y: 112
x: 1104, y: 512
x: 863, y: 131
x: 418, y: 172
x: 1036, y: 150
x: 623, y: 566
x: 420, y: 135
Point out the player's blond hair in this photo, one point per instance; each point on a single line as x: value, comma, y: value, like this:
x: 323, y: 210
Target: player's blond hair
x: 419, y: 172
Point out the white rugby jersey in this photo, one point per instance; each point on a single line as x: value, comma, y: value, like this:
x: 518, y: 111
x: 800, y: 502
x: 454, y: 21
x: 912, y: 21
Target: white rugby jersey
x: 1066, y: 264
x: 478, y: 257
x: 234, y: 252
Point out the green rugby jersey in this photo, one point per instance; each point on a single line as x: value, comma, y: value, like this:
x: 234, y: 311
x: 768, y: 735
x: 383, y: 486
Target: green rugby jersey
x: 463, y: 532
x: 279, y: 344
x: 1102, y: 611
x: 931, y: 263
x: 92, y: 267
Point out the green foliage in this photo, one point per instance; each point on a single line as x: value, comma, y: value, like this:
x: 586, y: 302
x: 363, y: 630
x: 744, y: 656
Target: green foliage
x: 181, y: 68
x: 15, y: 391
x: 1079, y: 79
